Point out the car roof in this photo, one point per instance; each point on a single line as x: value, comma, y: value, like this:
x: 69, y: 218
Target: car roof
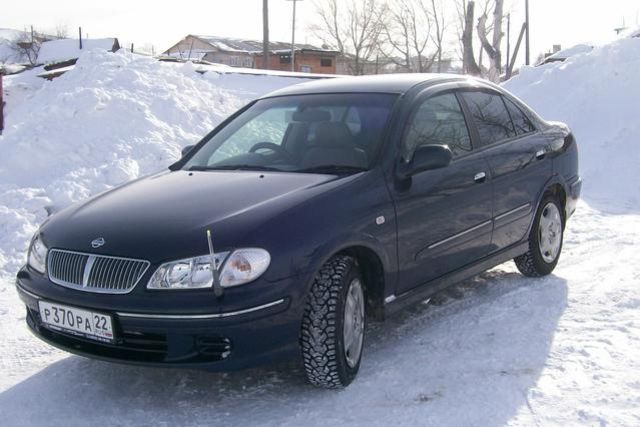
x: 381, y: 83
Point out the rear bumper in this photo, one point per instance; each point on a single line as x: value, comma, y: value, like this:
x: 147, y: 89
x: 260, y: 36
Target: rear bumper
x: 220, y: 341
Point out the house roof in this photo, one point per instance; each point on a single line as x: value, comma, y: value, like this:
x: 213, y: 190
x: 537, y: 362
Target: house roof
x: 65, y: 49
x: 228, y: 44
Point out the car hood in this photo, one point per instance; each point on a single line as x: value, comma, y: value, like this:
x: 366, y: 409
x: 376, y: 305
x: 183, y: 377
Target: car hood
x: 165, y: 216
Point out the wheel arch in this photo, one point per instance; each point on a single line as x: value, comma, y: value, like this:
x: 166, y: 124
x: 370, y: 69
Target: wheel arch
x: 377, y: 266
x: 556, y: 186
x: 373, y: 275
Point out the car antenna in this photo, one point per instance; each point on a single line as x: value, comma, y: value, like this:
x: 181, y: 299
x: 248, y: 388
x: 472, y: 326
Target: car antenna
x: 217, y: 287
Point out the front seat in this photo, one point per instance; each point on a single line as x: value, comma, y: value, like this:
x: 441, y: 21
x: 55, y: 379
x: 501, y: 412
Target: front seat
x: 334, y: 145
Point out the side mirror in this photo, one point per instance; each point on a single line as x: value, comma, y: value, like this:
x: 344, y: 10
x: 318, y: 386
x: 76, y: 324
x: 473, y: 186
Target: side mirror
x: 186, y: 150
x: 426, y: 157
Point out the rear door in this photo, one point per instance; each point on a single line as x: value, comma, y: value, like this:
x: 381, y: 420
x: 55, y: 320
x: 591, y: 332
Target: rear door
x: 517, y: 155
x: 443, y: 215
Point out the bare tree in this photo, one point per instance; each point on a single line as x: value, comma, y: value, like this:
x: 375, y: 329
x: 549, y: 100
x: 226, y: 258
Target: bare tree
x: 407, y: 32
x: 353, y: 27
x: 62, y: 31
x: 483, y: 31
x: 469, y: 64
x: 440, y: 24
x: 493, y: 49
x: 27, y: 46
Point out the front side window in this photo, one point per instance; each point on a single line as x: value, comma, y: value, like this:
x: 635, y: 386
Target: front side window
x: 490, y: 116
x: 438, y: 120
x: 300, y: 133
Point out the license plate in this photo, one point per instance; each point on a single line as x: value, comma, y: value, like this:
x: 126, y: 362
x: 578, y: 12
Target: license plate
x: 85, y: 323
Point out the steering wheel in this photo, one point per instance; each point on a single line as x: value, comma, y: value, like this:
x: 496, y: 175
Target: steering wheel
x: 273, y: 147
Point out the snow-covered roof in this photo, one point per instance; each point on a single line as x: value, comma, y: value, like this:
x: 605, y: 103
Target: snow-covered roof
x: 568, y: 53
x: 254, y: 46
x: 65, y: 49
x: 10, y: 34
x: 194, y: 54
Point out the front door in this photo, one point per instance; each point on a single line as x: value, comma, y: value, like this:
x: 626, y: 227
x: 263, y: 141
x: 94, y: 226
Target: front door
x: 443, y: 215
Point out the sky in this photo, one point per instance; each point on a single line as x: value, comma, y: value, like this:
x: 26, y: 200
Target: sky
x: 163, y: 23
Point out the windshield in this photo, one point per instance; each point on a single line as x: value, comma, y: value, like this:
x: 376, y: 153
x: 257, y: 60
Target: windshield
x: 305, y: 133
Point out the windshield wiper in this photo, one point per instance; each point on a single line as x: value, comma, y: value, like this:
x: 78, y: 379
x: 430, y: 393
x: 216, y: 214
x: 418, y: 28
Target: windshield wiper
x: 332, y: 169
x: 234, y: 167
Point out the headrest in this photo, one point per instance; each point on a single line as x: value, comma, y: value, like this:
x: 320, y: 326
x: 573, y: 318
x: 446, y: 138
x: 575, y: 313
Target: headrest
x: 333, y: 134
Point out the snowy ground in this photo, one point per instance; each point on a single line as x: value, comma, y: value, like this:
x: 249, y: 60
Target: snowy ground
x: 497, y: 349
x: 500, y: 349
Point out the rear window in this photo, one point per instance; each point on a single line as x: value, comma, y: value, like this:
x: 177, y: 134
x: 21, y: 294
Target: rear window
x: 520, y: 120
x: 490, y: 116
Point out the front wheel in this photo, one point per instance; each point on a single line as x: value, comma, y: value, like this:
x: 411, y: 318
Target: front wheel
x: 545, y: 240
x: 332, y: 335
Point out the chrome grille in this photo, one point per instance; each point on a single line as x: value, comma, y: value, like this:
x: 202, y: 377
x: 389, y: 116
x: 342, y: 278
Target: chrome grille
x: 94, y: 273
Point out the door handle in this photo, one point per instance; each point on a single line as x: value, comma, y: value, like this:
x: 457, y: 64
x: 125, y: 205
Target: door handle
x: 480, y: 177
x: 541, y: 153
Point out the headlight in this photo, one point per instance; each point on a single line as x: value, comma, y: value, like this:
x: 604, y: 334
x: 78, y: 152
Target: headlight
x: 191, y: 273
x: 37, y: 256
x: 242, y: 266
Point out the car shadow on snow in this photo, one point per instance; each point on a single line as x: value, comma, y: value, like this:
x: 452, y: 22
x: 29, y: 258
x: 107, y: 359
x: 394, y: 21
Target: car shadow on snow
x: 472, y: 358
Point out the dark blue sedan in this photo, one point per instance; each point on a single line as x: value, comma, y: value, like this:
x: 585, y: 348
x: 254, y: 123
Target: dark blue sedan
x: 304, y: 214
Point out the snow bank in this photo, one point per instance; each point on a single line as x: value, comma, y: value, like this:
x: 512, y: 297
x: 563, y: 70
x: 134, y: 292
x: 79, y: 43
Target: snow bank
x: 569, y: 52
x: 113, y: 118
x: 597, y: 95
x: 64, y: 49
x: 7, y: 54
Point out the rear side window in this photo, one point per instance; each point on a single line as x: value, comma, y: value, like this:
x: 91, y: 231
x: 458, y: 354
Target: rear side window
x: 490, y: 116
x: 438, y: 120
x: 520, y: 120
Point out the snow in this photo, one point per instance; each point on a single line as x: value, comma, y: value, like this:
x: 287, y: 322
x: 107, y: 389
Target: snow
x: 7, y: 54
x: 112, y: 118
x: 569, y: 52
x: 65, y: 49
x: 497, y: 349
x: 597, y: 95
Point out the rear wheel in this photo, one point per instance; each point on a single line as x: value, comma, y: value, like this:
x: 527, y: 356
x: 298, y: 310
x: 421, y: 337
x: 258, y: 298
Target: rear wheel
x: 332, y: 335
x: 545, y: 240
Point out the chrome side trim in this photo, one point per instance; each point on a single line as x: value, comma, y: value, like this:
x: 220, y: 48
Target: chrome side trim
x: 201, y: 316
x: 455, y: 236
x: 513, y: 211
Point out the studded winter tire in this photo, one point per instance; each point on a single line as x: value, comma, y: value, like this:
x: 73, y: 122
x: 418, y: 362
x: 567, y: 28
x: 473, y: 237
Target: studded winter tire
x: 332, y: 334
x: 545, y: 240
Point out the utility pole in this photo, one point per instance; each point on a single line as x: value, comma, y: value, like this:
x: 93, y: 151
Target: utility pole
x: 293, y: 36
x: 265, y: 34
x: 527, y: 46
x: 80, y: 37
x: 508, y: 45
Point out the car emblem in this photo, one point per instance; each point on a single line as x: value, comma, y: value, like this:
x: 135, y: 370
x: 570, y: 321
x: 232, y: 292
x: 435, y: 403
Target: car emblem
x: 96, y: 243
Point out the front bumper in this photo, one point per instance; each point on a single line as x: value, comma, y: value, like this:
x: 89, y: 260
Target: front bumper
x: 222, y: 340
